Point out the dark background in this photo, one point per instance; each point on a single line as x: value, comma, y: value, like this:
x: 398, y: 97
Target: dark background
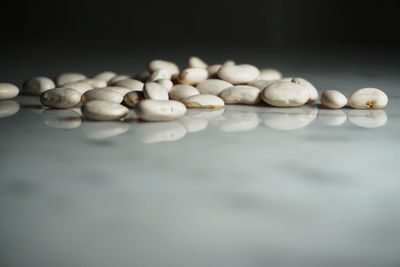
x: 48, y: 37
x: 246, y: 22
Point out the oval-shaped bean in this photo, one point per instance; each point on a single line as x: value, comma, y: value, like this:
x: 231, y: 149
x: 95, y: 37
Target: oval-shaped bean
x: 103, y: 110
x: 132, y: 98
x: 155, y: 91
x: 368, y: 98
x: 69, y: 77
x: 261, y: 84
x: 8, y: 91
x: 160, y: 110
x: 213, y: 70
x: 196, y: 62
x: 102, y: 94
x: 60, y: 98
x: 118, y: 89
x: 105, y: 76
x: 159, y: 74
x: 119, y: 77
x: 132, y: 84
x: 81, y: 87
x: 204, y: 101
x: 171, y: 67
x: 192, y: 76
x: 37, y: 85
x: 285, y: 94
x: 212, y: 86
x: 167, y: 84
x: 181, y: 91
x: 95, y: 83
x: 238, y: 74
x: 270, y: 74
x: 143, y: 76
x: 333, y: 99
x: 304, y: 82
x: 241, y: 94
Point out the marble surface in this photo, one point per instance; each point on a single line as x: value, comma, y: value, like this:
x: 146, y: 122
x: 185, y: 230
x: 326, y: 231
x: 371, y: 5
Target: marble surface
x: 243, y: 186
x: 239, y: 187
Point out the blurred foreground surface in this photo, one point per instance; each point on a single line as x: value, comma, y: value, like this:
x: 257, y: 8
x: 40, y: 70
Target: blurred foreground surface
x: 243, y: 186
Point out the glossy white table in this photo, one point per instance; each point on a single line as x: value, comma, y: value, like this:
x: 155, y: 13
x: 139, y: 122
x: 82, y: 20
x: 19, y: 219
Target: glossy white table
x: 244, y: 186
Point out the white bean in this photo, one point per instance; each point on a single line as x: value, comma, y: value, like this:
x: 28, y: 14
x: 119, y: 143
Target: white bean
x: 181, y: 91
x: 37, y: 85
x: 333, y: 99
x: 192, y: 76
x: 241, y: 94
x: 103, y: 110
x: 60, y: 98
x: 368, y: 98
x: 285, y: 94
x: 8, y: 91
x: 160, y: 110
x: 102, y: 94
x: 238, y: 74
x: 204, y: 101
x: 155, y: 91
x: 69, y: 77
x: 212, y: 86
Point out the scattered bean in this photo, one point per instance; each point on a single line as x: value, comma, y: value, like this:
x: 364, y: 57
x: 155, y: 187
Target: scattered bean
x: 333, y: 99
x: 212, y: 86
x: 60, y: 98
x: 195, y: 62
x: 8, y: 91
x: 192, y: 76
x: 103, y: 110
x: 132, y: 84
x: 285, y: 94
x: 241, y: 94
x: 181, y: 91
x: 270, y: 74
x: 204, y: 101
x: 368, y: 98
x: 105, y: 76
x: 238, y: 74
x: 37, y: 85
x: 155, y: 91
x: 102, y: 94
x: 69, y: 78
x: 132, y: 98
x: 160, y: 110
x: 313, y: 91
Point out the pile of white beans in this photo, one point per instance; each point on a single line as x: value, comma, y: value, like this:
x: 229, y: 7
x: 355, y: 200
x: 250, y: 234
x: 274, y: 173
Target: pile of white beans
x: 164, y: 92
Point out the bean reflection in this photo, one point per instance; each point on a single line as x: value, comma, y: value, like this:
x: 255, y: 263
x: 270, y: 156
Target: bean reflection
x: 368, y: 118
x: 8, y: 108
x: 206, y: 114
x: 238, y: 118
x: 332, y: 117
x: 154, y: 132
x: 104, y: 130
x: 193, y: 125
x: 61, y: 118
x: 289, y: 118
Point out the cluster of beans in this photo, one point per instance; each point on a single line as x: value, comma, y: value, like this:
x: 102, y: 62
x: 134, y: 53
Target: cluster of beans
x: 164, y: 92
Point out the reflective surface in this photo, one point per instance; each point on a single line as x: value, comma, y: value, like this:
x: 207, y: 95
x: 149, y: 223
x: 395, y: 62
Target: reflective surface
x: 243, y: 186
